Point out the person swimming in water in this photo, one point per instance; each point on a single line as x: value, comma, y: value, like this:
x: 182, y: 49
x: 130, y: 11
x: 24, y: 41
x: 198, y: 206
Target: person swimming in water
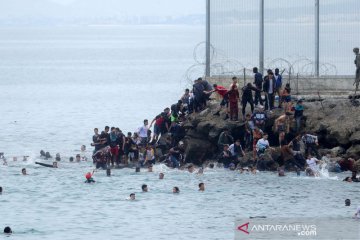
x: 7, y: 230
x: 191, y: 168
x: 201, y: 187
x: 161, y: 175
x: 23, y: 171
x: 132, y: 196
x: 144, y: 188
x: 176, y: 190
x: 53, y: 165
x: 89, y: 178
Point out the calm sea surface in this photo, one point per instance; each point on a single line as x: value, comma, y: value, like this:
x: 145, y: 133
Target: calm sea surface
x: 57, y: 84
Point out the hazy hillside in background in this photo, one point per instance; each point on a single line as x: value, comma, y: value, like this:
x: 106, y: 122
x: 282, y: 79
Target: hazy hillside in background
x: 85, y: 12
x: 45, y: 12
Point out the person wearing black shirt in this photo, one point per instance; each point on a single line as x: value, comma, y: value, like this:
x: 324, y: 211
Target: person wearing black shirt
x: 248, y: 98
x: 258, y: 83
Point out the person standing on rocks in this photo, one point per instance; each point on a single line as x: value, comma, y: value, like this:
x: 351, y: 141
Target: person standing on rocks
x: 234, y: 100
x: 223, y: 92
x: 199, y: 96
x: 296, y: 149
x: 143, y: 132
x: 278, y: 85
x: 248, y: 98
x: 298, y: 115
x: 282, y: 127
x: 258, y: 81
x: 357, y: 63
x: 269, y: 89
x: 311, y: 143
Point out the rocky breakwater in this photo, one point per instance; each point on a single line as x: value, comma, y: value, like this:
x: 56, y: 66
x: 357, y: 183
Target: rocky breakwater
x: 336, y: 122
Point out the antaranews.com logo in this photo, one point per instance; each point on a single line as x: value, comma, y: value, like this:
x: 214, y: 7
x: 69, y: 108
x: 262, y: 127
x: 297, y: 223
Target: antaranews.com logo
x: 299, y: 228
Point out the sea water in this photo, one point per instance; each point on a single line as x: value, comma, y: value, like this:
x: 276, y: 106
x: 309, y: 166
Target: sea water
x: 58, y: 84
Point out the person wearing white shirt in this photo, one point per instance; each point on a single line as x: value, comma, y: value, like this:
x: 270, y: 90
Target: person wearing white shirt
x: 262, y: 145
x: 312, y: 169
x: 143, y: 132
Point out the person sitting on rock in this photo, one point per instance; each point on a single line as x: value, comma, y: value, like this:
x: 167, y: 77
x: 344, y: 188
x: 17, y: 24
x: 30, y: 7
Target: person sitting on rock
x: 225, y: 156
x: 262, y: 145
x: 311, y: 143
x: 236, y: 151
x: 225, y: 138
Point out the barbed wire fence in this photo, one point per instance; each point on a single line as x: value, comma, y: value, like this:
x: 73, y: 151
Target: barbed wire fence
x: 294, y: 69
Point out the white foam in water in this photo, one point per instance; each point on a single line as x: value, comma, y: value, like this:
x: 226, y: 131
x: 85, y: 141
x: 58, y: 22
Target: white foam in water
x: 324, y: 172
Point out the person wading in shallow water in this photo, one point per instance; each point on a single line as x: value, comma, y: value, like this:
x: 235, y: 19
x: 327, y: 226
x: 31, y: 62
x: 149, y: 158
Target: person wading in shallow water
x: 89, y: 177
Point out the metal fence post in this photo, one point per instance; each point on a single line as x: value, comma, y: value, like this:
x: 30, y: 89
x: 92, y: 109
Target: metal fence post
x: 207, y: 63
x: 317, y: 37
x: 261, y: 38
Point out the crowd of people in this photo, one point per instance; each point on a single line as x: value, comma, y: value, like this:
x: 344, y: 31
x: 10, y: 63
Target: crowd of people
x: 145, y: 147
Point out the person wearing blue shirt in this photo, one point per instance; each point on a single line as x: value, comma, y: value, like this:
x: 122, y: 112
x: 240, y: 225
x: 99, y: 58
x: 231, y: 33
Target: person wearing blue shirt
x: 278, y: 84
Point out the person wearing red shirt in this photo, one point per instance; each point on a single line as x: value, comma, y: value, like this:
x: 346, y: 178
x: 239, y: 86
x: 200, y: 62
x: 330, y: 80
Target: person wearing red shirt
x: 223, y: 92
x: 234, y: 96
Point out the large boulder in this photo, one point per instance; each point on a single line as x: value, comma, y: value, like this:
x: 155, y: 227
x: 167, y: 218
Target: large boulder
x: 197, y: 150
x: 355, y: 137
x: 334, y: 120
x: 354, y: 151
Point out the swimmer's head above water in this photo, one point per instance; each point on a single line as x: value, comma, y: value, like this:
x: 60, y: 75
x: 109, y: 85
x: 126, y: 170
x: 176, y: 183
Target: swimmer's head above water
x: 132, y: 196
x: 7, y: 230
x: 201, y: 187
x: 144, y: 188
x: 176, y: 190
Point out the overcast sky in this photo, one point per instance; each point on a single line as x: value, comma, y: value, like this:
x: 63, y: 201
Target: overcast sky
x: 64, y: 10
x: 94, y: 8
